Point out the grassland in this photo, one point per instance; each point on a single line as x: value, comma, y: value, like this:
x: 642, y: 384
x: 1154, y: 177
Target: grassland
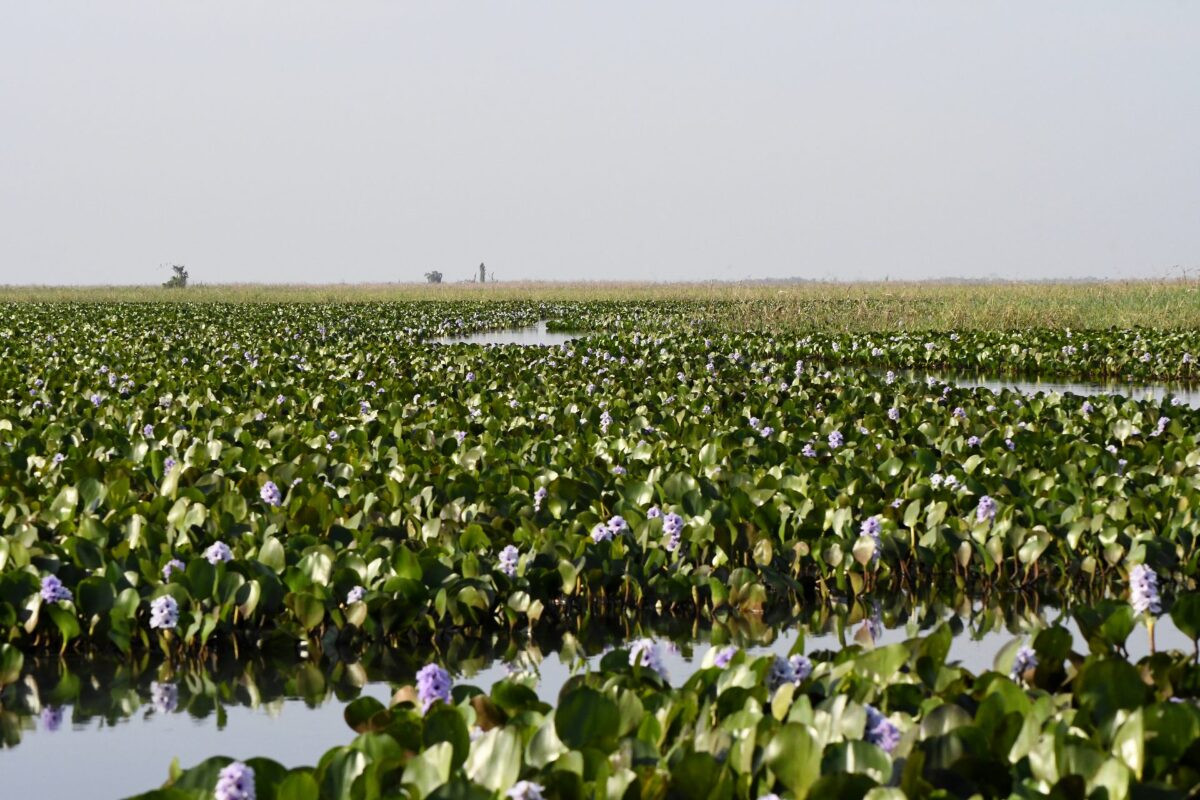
x: 800, y: 306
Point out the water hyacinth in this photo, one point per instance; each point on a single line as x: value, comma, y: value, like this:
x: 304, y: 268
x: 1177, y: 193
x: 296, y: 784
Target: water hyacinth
x: 1026, y: 659
x: 171, y: 566
x: 52, y: 717
x: 270, y: 494
x: 1143, y: 590
x: 617, y: 523
x: 460, y: 436
x: 724, y: 656
x: 53, y: 590
x: 880, y: 731
x: 645, y: 653
x: 601, y: 533
x: 985, y: 511
x: 673, y: 528
x: 794, y: 670
x: 836, y: 440
x: 508, y: 560
x: 218, y: 552
x: 893, y: 414
x: 433, y: 684
x: 654, y: 512
x: 355, y: 595
x: 872, y: 526
x: 235, y: 782
x: 164, y: 613
x: 538, y: 497
x: 168, y: 464
x: 526, y: 790
x: 148, y: 431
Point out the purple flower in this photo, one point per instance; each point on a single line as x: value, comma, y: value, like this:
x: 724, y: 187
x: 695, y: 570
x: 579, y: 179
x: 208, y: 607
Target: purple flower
x: 218, y: 552
x: 526, y: 790
x: 959, y: 412
x: 508, y: 560
x: 673, y: 528
x: 880, y: 731
x: 52, y: 718
x: 59, y: 458
x: 893, y: 414
x: 836, y: 440
x: 654, y: 512
x: 461, y: 436
x: 53, y: 590
x: 148, y: 431
x: 808, y: 451
x: 433, y: 684
x: 617, y: 523
x: 605, y: 421
x: 164, y: 612
x: 724, y: 656
x: 872, y: 526
x: 986, y: 510
x: 1010, y: 444
x: 235, y: 782
x: 168, y: 464
x: 355, y: 595
x: 601, y: 533
x: 794, y: 670
x: 1086, y: 408
x: 170, y: 567
x: 645, y: 653
x: 538, y: 497
x: 1143, y: 590
x: 973, y: 441
x: 618, y: 470
x: 1026, y: 660
x: 470, y: 376
x: 95, y: 398
x: 270, y: 494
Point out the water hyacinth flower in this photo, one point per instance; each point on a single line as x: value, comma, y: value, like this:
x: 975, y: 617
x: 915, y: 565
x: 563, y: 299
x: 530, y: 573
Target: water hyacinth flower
x: 605, y: 421
x: 985, y: 511
x: 355, y: 595
x: 168, y: 464
x: 433, y: 684
x: 53, y: 590
x: 880, y: 731
x: 617, y: 523
x: 508, y: 560
x: 645, y: 653
x: 270, y: 494
x: 601, y: 533
x: 959, y: 412
x: 235, y: 782
x: 526, y: 790
x: 1143, y: 590
x: 461, y: 436
x: 836, y: 440
x: 538, y: 497
x: 618, y: 470
x: 724, y: 656
x: 148, y: 431
x: 973, y: 441
x: 893, y: 414
x: 794, y: 670
x: 58, y: 458
x: 654, y: 512
x: 95, y: 398
x: 808, y: 451
x: 673, y: 528
x: 218, y: 552
x: 171, y: 566
x: 1025, y: 660
x: 872, y: 526
x: 164, y: 613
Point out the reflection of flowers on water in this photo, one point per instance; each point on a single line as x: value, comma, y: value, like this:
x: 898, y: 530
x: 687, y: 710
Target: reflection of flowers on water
x: 52, y: 718
x: 164, y: 697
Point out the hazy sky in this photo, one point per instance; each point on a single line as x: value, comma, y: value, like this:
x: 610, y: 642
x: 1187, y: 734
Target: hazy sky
x: 372, y: 141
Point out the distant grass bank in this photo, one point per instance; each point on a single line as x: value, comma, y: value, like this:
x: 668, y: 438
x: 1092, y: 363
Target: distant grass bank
x: 809, y: 306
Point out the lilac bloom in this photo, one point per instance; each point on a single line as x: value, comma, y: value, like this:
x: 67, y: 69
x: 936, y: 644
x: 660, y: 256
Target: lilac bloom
x: 645, y: 653
x: 53, y: 590
x: 433, y: 684
x: 880, y: 731
x: 164, y: 612
x: 235, y: 782
x: 270, y: 494
x: 508, y: 560
x: 986, y: 510
x: 1143, y: 590
x: 218, y: 552
x: 836, y: 440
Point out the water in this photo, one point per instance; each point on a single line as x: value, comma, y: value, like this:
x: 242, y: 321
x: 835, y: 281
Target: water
x: 121, y: 736
x: 1187, y: 394
x: 536, y: 335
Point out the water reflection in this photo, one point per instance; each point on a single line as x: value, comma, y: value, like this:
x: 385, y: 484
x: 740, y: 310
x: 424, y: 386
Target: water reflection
x: 124, y: 721
x: 537, y: 335
x: 1184, y: 394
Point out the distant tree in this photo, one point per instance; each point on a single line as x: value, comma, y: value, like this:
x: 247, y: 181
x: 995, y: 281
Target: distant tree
x: 179, y: 279
x: 433, y: 276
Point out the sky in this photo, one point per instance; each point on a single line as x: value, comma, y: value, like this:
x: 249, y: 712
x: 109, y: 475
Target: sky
x: 366, y: 141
